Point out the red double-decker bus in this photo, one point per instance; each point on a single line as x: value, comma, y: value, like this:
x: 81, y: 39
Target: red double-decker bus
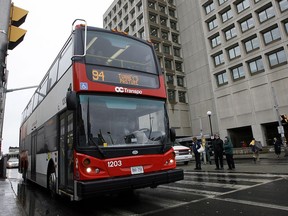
x: 97, y: 123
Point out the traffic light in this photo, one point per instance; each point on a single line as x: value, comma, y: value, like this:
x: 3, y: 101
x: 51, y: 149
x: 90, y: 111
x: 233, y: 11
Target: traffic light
x: 16, y: 34
x: 284, y: 119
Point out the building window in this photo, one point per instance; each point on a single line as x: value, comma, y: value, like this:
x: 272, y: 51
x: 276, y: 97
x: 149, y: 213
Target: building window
x: 151, y: 5
x: 238, y: 72
x: 178, y: 66
x: 271, y: 35
x: 215, y: 41
x: 170, y: 79
x: 177, y: 51
x: 139, y: 7
x: 182, y: 96
x: 175, y: 38
x: 230, y: 33
x: 125, y: 8
x: 241, y: 6
x: 162, y: 8
x: 247, y: 24
x: 168, y: 64
x: 126, y: 20
x: 212, y: 24
x: 286, y: 27
x: 171, y: 95
x: 209, y: 7
x: 153, y: 31
x: 156, y: 47
x: 153, y: 17
x: 140, y: 20
x: 180, y: 81
x: 266, y: 14
x: 142, y: 34
x: 218, y: 59
x: 171, y: 2
x: 234, y: 52
x: 221, y: 78
x: 277, y: 58
x: 222, y: 1
x: 251, y: 44
x: 256, y: 66
x: 226, y: 15
x: 163, y: 21
x: 172, y: 12
x: 165, y: 35
x: 283, y: 5
x: 166, y: 49
x: 133, y: 26
x: 173, y: 25
x: 132, y: 13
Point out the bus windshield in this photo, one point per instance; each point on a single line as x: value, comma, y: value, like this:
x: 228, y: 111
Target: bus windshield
x: 111, y: 121
x: 120, y: 51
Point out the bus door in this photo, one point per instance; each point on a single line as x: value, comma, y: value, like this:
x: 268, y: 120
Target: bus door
x: 33, y: 155
x: 66, y: 158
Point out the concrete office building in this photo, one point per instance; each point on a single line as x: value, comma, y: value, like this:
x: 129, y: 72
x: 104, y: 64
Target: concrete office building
x: 235, y: 55
x: 156, y: 20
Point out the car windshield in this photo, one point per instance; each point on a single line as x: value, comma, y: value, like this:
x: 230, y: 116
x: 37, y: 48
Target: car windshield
x: 115, y: 50
x: 111, y: 121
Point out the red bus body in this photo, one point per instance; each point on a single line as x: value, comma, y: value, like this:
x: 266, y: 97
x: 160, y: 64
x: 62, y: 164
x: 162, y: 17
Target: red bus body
x: 78, y: 150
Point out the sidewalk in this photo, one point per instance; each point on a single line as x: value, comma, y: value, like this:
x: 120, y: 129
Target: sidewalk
x: 244, y: 163
x: 8, y: 201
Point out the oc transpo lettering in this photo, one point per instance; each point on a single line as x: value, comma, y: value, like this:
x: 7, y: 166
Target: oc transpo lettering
x: 127, y: 90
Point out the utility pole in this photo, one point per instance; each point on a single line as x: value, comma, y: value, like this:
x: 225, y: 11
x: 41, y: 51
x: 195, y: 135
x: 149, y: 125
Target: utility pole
x: 11, y: 17
x: 280, y: 127
x: 4, y: 27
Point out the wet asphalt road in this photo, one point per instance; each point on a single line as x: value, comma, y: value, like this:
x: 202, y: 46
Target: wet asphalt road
x: 208, y: 192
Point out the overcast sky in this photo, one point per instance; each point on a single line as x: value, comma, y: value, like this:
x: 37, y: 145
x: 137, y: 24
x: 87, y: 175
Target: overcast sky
x: 48, y: 26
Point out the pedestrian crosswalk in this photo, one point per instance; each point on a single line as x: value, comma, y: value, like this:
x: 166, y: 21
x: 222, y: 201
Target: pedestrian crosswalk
x: 196, y: 187
x: 218, y: 183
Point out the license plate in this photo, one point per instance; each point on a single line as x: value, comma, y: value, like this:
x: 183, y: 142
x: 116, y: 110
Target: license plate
x: 137, y: 170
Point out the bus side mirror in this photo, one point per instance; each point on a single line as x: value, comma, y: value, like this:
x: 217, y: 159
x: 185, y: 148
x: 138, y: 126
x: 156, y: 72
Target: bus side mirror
x: 172, y: 134
x: 71, y: 100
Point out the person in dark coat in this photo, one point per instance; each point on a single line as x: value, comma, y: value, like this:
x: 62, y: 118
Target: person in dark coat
x: 277, y: 146
x: 218, y: 151
x: 195, y: 146
x: 228, y: 148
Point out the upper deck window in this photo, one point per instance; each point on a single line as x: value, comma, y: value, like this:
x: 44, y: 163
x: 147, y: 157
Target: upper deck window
x: 113, y: 50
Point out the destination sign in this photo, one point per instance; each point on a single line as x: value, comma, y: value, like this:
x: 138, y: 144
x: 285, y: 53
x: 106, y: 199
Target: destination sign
x: 124, y: 77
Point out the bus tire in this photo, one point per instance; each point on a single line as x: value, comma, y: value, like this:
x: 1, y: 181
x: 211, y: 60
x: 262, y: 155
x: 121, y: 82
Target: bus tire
x: 52, y: 183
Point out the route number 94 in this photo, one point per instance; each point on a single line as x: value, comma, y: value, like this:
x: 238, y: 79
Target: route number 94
x: 117, y: 163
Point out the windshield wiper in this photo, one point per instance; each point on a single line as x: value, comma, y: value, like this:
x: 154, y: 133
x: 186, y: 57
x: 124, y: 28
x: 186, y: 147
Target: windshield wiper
x: 97, y: 146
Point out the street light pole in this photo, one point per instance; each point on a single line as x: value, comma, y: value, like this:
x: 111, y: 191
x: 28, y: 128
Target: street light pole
x: 209, y: 116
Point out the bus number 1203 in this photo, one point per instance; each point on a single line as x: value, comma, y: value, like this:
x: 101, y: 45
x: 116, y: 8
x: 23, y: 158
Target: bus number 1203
x: 116, y: 163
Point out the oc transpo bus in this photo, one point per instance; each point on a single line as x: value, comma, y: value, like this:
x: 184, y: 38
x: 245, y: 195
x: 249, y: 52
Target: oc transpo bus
x: 97, y: 123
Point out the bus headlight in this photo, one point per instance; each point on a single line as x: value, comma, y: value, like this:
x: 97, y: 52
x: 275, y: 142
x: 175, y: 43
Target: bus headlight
x: 88, y: 170
x: 86, y: 162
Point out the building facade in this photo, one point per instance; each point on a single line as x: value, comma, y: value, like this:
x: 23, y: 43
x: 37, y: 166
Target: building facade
x: 156, y: 21
x: 235, y: 59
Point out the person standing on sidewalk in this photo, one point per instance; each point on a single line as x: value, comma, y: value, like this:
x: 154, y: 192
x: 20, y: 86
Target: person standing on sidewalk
x: 218, y: 151
x: 195, y: 146
x: 255, y: 149
x: 228, y: 148
x: 277, y: 146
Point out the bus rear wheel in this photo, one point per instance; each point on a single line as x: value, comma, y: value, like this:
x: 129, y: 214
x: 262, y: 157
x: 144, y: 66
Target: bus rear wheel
x: 52, y: 183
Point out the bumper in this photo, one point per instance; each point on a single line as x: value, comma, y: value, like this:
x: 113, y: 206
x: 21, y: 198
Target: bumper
x: 114, y: 185
x: 183, y: 158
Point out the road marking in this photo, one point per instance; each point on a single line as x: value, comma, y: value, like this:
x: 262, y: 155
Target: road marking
x: 258, y: 204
